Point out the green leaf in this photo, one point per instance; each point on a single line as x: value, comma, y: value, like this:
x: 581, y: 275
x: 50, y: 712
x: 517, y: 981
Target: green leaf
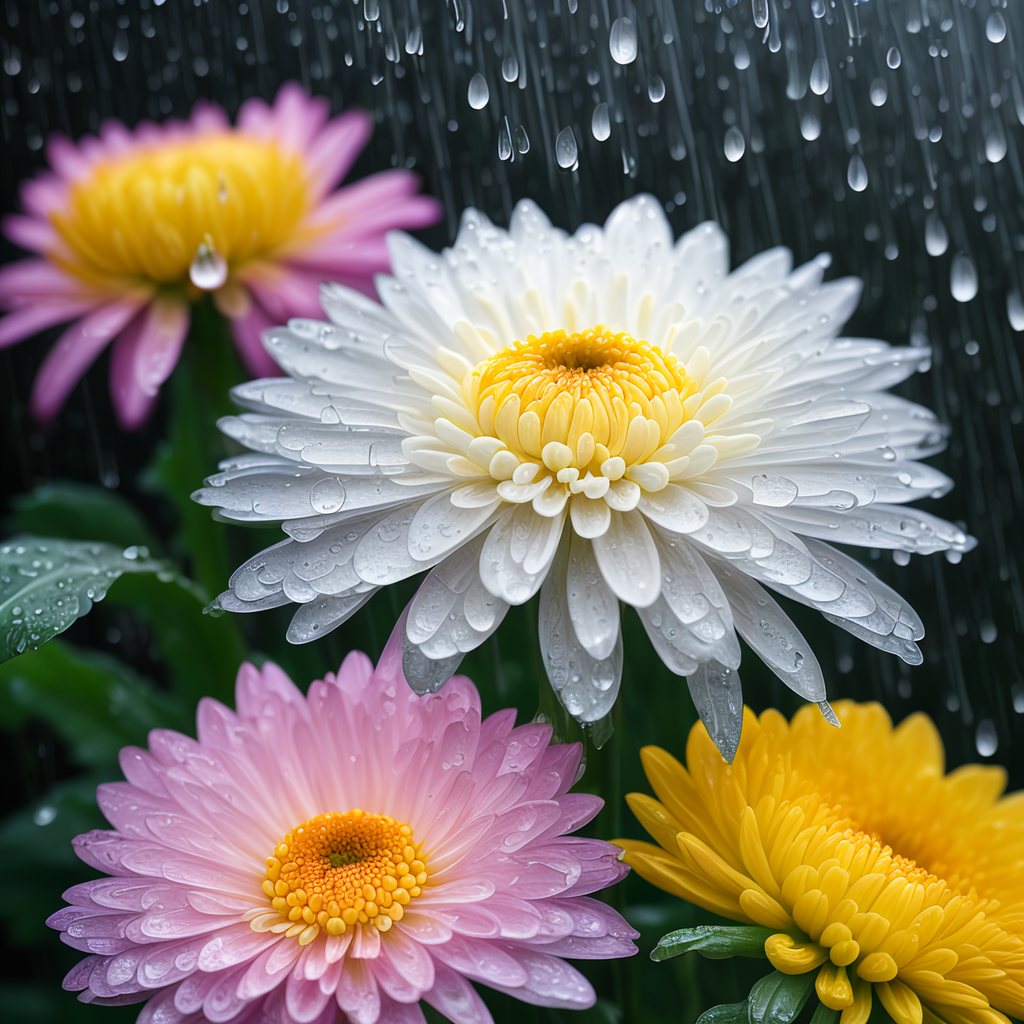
x: 45, y: 584
x: 726, y: 1013
x: 93, y: 701
x: 203, y: 652
x: 778, y: 998
x: 716, y: 942
x: 80, y: 512
x: 824, y: 1015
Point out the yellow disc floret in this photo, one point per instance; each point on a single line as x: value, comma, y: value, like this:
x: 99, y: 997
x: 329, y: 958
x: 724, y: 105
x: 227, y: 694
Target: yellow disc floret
x: 872, y: 868
x: 147, y: 214
x: 340, y: 870
x: 578, y: 400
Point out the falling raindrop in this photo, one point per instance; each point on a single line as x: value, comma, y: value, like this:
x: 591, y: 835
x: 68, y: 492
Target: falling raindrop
x: 985, y: 739
x: 741, y: 59
x: 371, y: 9
x: 819, y: 77
x: 565, y: 149
x: 600, y: 123
x: 893, y: 58
x: 735, y: 145
x: 1015, y: 310
x: 522, y: 139
x: 760, y: 12
x: 478, y: 93
x: 504, y: 142
x: 120, y: 45
x: 208, y: 269
x: 963, y: 279
x: 656, y: 89
x: 510, y: 68
x: 936, y: 237
x: 995, y: 145
x: 879, y: 92
x: 995, y: 28
x: 857, y: 174
x: 622, y: 41
x: 818, y: 8
x: 414, y: 40
x: 810, y: 127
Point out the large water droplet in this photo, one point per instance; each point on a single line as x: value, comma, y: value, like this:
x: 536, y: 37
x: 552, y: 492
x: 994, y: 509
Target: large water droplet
x: 522, y: 139
x: 936, y: 237
x: 857, y: 174
x: 819, y: 77
x: 510, y: 68
x: 760, y: 8
x: 810, y: 127
x: 656, y: 89
x: 478, y: 92
x: 963, y: 279
x: 985, y: 739
x: 600, y: 123
x: 1015, y: 310
x: 622, y: 41
x: 893, y: 58
x: 995, y: 145
x: 995, y: 28
x: 879, y: 92
x: 371, y: 9
x: 735, y: 145
x: 565, y: 149
x: 208, y: 269
x: 414, y: 40
x: 120, y: 45
x: 504, y: 142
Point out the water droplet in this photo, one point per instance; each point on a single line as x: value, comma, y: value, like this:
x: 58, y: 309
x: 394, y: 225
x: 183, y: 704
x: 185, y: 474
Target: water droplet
x: 656, y: 89
x: 44, y: 815
x: 936, y: 237
x: 995, y: 28
x: 818, y: 8
x: 510, y: 68
x: 478, y: 93
x: 735, y: 145
x: 857, y: 174
x: 995, y: 145
x: 600, y: 123
x: 810, y: 127
x: 893, y: 58
x: 819, y: 77
x: 622, y: 41
x: 522, y: 140
x: 963, y: 279
x: 120, y: 45
x: 760, y: 8
x: 879, y: 92
x: 371, y: 9
x: 504, y: 142
x: 208, y: 269
x: 1015, y: 310
x: 414, y: 39
x: 565, y: 146
x: 985, y: 739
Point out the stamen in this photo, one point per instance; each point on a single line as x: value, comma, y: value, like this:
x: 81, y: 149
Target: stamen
x: 339, y: 870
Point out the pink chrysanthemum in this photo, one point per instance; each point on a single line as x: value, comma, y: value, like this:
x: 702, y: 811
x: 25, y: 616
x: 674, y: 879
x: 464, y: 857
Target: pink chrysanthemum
x: 339, y: 857
x: 133, y: 226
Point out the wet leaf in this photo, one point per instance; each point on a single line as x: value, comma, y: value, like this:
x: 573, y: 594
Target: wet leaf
x: 714, y: 941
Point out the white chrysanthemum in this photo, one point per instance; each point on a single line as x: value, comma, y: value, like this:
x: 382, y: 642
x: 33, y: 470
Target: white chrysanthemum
x: 603, y: 417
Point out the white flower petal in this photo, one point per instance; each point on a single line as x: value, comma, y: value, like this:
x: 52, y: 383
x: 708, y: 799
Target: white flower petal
x: 628, y: 559
x: 676, y: 508
x: 718, y: 698
x: 439, y: 526
x: 593, y: 607
x: 517, y: 553
x: 590, y: 516
x: 323, y: 614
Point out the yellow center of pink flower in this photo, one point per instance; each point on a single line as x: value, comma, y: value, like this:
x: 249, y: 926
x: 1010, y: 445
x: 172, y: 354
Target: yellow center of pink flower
x: 186, y: 208
x: 338, y: 870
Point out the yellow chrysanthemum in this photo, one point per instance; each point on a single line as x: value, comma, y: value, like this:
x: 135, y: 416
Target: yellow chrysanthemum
x: 874, y: 868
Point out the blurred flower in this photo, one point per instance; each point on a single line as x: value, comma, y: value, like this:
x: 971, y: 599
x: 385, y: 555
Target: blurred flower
x: 608, y: 416
x: 357, y: 849
x: 866, y: 864
x: 135, y: 225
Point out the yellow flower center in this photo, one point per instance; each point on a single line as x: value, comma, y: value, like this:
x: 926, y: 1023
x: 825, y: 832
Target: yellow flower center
x: 794, y: 836
x: 339, y: 870
x: 204, y: 203
x: 576, y: 400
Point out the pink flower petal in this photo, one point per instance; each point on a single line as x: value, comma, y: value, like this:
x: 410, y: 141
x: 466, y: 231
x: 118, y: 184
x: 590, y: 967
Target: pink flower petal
x: 549, y: 981
x: 297, y: 117
x: 304, y: 999
x: 392, y: 1012
x: 24, y: 323
x: 357, y: 992
x: 30, y: 233
x: 75, y: 351
x: 246, y: 331
x: 283, y: 292
x: 453, y: 996
x: 143, y: 357
x: 336, y: 149
x: 28, y: 282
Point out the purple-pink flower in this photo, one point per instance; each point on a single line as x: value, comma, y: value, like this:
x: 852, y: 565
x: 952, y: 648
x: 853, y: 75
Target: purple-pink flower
x: 341, y: 856
x: 134, y: 226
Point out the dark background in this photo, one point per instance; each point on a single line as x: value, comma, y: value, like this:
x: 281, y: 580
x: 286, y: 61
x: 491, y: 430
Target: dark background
x: 946, y: 141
